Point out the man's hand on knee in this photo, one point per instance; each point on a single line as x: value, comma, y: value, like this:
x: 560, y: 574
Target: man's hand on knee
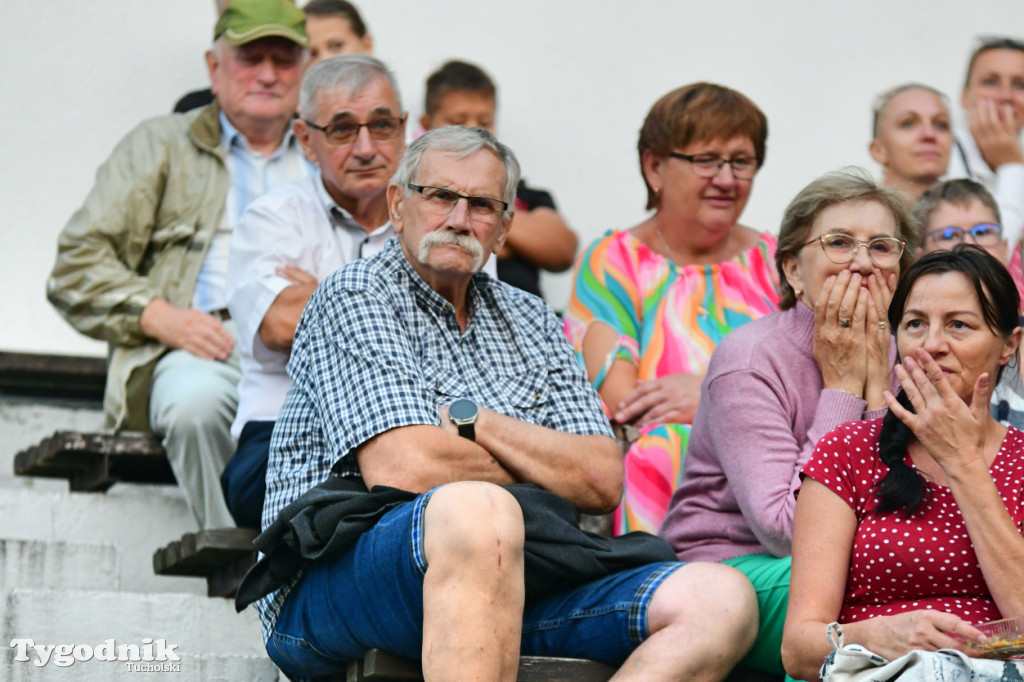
x: 199, y: 333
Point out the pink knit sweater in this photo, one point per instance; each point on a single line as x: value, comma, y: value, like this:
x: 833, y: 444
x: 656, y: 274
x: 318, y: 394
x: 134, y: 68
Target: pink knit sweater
x: 762, y: 410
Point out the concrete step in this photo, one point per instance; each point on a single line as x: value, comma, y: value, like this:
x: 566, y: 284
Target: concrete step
x: 194, y: 625
x: 191, y: 668
x: 136, y: 519
x: 58, y: 565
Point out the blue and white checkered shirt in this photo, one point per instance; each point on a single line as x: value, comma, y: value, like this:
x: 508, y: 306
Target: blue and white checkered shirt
x: 378, y: 349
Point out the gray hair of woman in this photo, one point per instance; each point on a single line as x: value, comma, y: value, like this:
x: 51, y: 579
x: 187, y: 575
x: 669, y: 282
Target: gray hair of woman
x: 850, y: 185
x: 462, y: 142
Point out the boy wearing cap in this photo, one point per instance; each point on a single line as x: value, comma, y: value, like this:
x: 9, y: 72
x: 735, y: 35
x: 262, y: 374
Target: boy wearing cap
x: 142, y: 263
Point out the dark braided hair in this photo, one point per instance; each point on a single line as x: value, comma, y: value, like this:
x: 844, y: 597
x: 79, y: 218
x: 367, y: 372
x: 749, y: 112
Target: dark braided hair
x: 903, y: 489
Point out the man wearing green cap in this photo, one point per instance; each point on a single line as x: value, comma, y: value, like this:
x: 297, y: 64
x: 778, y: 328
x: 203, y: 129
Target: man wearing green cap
x: 142, y: 263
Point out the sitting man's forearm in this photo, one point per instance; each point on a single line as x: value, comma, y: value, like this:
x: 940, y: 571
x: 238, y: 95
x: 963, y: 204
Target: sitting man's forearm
x: 586, y: 470
x: 418, y: 458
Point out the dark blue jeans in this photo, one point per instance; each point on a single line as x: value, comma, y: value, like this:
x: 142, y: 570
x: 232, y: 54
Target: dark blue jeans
x: 372, y: 596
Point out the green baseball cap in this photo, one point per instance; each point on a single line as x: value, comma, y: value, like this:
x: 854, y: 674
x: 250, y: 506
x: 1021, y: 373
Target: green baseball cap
x: 244, y: 21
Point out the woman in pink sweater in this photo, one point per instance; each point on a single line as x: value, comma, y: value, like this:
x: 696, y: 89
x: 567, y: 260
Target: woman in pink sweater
x: 776, y: 385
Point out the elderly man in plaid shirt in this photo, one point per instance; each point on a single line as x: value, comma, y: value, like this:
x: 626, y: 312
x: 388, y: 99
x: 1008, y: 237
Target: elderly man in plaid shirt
x: 415, y: 371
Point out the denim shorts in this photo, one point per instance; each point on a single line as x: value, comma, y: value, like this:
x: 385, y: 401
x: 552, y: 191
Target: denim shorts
x: 372, y: 596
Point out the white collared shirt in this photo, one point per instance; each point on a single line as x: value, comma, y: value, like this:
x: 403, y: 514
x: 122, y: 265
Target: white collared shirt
x: 300, y: 224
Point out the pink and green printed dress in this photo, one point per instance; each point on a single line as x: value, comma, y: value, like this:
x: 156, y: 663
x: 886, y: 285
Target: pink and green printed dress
x: 669, y: 319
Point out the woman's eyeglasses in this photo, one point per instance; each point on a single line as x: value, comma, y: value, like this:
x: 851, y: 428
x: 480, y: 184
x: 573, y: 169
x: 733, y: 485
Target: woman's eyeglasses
x: 884, y: 252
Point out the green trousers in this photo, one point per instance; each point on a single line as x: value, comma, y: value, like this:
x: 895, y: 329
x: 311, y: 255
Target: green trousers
x: 770, y: 577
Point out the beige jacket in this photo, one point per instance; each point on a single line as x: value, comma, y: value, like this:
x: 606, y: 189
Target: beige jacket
x: 142, y: 233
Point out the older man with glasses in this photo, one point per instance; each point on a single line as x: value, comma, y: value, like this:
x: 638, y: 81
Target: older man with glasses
x: 423, y: 392
x: 142, y: 263
x: 352, y: 126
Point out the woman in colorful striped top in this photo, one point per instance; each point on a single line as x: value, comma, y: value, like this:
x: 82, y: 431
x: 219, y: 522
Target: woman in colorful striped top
x: 650, y: 303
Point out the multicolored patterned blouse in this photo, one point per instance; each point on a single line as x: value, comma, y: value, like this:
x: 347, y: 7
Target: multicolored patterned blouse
x: 669, y: 319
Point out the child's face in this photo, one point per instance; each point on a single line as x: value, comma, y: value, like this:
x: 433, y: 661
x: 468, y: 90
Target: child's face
x: 965, y: 217
x: 463, y: 108
x: 331, y: 36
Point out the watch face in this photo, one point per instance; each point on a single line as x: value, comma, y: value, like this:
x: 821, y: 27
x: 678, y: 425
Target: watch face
x: 463, y: 410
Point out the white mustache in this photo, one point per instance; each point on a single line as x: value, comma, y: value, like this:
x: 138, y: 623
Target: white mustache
x: 460, y: 239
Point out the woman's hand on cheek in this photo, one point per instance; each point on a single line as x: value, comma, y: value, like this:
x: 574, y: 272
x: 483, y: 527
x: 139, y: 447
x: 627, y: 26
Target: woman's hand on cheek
x: 994, y: 132
x: 946, y: 426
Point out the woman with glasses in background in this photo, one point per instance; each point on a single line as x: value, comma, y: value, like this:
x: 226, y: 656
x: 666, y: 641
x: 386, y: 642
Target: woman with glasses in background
x: 650, y: 303
x: 777, y: 385
x: 912, y: 137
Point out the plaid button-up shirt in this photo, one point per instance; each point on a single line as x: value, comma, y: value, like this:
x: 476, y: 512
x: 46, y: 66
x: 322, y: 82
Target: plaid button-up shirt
x: 378, y: 349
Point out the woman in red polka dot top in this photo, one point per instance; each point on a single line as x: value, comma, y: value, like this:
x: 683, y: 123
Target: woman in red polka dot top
x: 908, y: 529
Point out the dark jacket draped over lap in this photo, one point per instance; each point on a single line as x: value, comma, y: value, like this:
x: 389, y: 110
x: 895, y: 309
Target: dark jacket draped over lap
x: 328, y: 519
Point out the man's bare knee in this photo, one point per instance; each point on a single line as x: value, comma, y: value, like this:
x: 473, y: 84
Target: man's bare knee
x: 472, y: 521
x: 706, y: 596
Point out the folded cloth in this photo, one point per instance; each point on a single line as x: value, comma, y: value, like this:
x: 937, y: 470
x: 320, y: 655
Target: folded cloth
x: 329, y: 518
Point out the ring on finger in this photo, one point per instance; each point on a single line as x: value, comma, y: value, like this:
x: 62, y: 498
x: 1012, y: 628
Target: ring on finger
x: 882, y: 325
x: 844, y: 322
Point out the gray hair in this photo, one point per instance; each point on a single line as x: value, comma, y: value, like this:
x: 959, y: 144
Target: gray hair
x: 462, y: 142
x: 351, y: 73
x: 850, y: 185
x: 882, y: 102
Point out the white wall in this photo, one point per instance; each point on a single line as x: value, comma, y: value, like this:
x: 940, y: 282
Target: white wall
x: 575, y: 77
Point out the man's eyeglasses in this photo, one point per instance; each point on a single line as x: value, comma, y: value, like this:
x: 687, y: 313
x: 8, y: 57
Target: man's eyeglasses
x: 982, y: 234
x: 884, y: 252
x: 710, y: 165
x: 443, y: 201
x: 345, y: 131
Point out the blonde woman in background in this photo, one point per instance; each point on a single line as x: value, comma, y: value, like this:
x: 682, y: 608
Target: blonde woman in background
x: 912, y: 137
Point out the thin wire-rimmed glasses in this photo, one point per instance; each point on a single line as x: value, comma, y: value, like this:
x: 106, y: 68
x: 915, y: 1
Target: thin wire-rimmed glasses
x: 840, y: 248
x: 443, y: 200
x: 710, y: 165
x: 982, y: 234
x: 345, y: 130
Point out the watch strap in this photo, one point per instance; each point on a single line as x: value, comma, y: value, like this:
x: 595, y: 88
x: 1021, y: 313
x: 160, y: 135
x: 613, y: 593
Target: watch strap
x: 467, y: 430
